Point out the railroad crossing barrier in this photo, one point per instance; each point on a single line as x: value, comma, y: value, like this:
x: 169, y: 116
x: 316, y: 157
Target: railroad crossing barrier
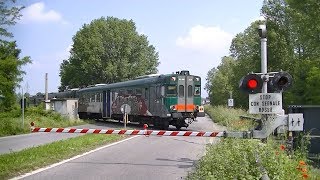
x: 146, y: 132
x: 130, y: 132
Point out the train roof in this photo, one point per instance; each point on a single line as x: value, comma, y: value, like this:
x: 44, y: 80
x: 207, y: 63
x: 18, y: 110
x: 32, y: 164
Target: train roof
x: 141, y: 80
x: 134, y: 82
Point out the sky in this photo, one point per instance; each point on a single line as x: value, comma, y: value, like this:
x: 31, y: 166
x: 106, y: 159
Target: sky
x: 189, y: 35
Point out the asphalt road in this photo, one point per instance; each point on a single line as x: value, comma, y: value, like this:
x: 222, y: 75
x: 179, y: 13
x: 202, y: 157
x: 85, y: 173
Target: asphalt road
x: 138, y: 158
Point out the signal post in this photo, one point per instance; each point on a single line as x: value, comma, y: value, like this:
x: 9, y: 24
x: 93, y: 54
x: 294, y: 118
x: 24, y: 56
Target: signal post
x: 265, y: 96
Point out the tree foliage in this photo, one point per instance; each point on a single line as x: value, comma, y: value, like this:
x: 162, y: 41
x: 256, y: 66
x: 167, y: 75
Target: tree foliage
x: 10, y: 62
x: 293, y: 45
x: 218, y: 81
x: 10, y: 72
x: 8, y: 16
x: 107, y: 50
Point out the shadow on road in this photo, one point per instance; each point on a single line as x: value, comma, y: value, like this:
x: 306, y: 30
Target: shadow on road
x: 182, y: 140
x: 189, y: 163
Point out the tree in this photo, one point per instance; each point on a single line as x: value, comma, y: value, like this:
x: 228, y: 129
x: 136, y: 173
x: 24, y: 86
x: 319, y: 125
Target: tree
x: 210, y: 76
x: 10, y: 62
x: 10, y: 72
x: 218, y: 85
x: 293, y: 46
x: 8, y: 17
x: 312, y: 86
x: 245, y: 49
x: 107, y: 50
x: 297, y: 44
x: 304, y: 16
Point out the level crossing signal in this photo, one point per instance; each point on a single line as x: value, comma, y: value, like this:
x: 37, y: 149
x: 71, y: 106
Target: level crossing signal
x: 251, y: 83
x: 277, y: 82
x: 280, y: 82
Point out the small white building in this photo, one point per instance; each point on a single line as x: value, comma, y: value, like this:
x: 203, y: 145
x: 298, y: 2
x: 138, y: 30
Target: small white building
x: 66, y: 107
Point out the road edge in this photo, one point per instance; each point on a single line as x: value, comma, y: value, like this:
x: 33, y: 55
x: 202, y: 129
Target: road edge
x: 70, y: 159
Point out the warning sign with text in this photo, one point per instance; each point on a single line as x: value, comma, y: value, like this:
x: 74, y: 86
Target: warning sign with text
x: 265, y: 103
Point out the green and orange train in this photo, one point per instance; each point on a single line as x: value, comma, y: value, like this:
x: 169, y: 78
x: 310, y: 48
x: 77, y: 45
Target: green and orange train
x: 161, y: 100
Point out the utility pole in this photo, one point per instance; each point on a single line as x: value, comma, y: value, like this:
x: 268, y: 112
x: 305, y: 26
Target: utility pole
x: 46, y: 87
x: 22, y: 108
x: 46, y: 100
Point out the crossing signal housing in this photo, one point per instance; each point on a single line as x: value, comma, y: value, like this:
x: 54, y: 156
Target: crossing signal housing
x: 251, y: 83
x: 280, y: 82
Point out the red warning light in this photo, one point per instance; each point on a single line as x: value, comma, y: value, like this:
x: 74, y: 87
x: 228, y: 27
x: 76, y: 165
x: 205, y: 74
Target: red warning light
x: 252, y: 84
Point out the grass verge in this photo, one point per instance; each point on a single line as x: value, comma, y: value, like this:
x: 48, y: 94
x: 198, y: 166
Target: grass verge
x: 17, y: 163
x: 229, y: 117
x: 11, y: 122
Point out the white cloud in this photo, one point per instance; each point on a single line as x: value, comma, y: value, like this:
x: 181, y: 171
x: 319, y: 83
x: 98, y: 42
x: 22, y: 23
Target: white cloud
x: 38, y: 13
x: 206, y: 39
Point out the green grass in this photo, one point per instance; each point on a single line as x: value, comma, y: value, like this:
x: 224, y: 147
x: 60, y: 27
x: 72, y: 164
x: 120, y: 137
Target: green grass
x: 236, y: 158
x: 11, y: 122
x: 17, y: 163
x: 229, y: 117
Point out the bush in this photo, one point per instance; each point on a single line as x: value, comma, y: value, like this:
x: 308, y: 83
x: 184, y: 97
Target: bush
x: 237, y: 159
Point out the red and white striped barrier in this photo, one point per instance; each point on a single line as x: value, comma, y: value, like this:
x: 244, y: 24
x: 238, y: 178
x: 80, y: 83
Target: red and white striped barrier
x: 129, y: 132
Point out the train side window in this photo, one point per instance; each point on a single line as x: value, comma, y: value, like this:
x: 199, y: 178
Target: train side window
x: 81, y: 99
x: 121, y: 92
x: 129, y: 92
x: 181, y: 91
x: 98, y: 97
x: 114, y: 96
x: 139, y: 92
x: 190, y: 91
x: 146, y: 93
x: 85, y: 98
x: 162, y: 91
x: 197, y: 90
x: 91, y: 97
x: 172, y: 90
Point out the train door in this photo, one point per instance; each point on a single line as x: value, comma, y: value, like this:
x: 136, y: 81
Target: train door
x: 152, y: 97
x: 185, y: 94
x: 147, y: 97
x: 106, y: 103
x: 189, y: 94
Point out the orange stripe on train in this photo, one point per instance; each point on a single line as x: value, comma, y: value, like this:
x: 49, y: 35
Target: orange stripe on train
x: 185, y: 107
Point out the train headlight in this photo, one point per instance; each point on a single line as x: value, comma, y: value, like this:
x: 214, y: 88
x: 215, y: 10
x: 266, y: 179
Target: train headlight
x: 173, y: 78
x: 173, y: 107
